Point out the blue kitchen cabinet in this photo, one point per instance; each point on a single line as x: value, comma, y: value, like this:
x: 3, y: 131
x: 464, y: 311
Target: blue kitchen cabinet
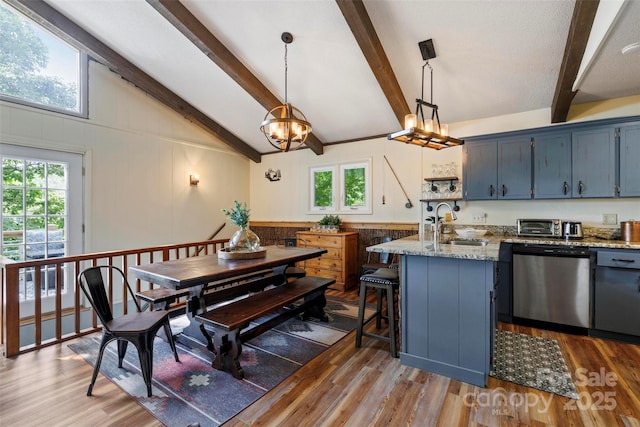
x: 593, y: 162
x: 630, y: 161
x: 514, y: 168
x: 448, y: 317
x: 617, y: 292
x: 480, y: 161
x: 497, y: 169
x: 552, y: 166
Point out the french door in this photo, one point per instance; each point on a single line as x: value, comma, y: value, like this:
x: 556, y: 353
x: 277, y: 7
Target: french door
x: 41, y: 217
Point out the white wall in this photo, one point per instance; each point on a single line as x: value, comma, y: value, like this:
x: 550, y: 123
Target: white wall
x: 288, y: 199
x: 138, y: 157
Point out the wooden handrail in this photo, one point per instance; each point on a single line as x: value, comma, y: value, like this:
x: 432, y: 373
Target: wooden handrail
x: 66, y: 269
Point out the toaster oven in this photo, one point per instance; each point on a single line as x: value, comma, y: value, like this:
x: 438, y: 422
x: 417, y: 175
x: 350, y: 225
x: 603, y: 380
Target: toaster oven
x: 540, y: 228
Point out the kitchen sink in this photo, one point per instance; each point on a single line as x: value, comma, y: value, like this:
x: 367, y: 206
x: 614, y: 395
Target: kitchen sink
x: 468, y: 242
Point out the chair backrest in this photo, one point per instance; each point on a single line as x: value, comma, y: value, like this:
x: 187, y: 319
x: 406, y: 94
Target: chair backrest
x: 91, y: 281
x: 291, y: 242
x: 385, y: 256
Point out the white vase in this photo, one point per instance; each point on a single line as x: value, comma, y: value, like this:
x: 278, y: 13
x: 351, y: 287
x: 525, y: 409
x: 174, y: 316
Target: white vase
x: 244, y: 240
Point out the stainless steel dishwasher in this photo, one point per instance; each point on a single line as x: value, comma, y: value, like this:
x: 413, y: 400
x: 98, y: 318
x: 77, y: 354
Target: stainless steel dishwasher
x: 553, y: 284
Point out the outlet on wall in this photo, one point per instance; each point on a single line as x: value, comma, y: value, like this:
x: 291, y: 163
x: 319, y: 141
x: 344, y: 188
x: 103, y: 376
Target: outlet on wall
x: 610, y: 219
x: 479, y: 218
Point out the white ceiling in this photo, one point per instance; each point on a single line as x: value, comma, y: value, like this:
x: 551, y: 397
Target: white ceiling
x: 494, y: 57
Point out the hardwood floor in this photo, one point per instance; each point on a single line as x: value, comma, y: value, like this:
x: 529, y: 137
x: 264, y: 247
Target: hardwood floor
x: 346, y: 386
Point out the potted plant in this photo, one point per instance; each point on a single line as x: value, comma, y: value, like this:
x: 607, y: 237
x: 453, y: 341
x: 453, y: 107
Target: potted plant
x: 243, y: 239
x: 330, y: 223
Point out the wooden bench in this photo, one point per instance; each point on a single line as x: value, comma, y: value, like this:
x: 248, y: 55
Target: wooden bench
x: 227, y: 321
x: 162, y: 298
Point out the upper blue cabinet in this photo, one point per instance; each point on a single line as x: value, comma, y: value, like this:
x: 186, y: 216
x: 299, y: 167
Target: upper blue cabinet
x: 629, y: 161
x: 497, y: 169
x: 593, y: 153
x: 480, y: 170
x: 584, y: 160
x: 514, y: 168
x: 552, y: 166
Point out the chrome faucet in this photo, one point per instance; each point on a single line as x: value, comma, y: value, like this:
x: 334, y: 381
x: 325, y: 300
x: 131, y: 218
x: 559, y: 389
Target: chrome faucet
x: 436, y: 225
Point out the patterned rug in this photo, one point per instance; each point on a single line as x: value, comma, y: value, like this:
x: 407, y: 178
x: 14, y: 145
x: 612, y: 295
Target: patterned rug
x: 193, y: 392
x: 535, y: 362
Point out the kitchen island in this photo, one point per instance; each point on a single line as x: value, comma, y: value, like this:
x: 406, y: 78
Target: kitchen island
x: 447, y: 306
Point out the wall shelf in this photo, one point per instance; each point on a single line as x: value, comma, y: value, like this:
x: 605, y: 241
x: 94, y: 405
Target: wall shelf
x: 456, y: 208
x: 434, y: 187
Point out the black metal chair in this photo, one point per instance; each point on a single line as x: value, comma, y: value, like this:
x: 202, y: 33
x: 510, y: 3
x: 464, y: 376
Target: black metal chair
x: 292, y: 271
x: 139, y: 327
x: 385, y: 259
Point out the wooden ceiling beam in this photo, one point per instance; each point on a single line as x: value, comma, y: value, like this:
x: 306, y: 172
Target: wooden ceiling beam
x: 185, y: 22
x: 365, y: 34
x: 59, y: 24
x: 584, y: 13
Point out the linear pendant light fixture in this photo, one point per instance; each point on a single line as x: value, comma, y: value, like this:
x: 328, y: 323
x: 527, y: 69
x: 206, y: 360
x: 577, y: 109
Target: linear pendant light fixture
x: 285, y: 128
x: 418, y: 130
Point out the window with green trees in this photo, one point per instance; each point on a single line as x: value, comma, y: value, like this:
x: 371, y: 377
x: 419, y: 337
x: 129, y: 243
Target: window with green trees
x: 39, y: 69
x: 346, y: 192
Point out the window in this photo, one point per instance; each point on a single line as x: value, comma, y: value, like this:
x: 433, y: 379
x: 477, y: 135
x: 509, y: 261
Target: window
x: 323, y: 188
x: 39, y: 69
x: 350, y: 192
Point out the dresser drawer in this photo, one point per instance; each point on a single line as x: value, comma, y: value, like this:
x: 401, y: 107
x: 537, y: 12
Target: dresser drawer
x: 320, y: 240
x: 324, y: 263
x: 333, y: 253
x: 621, y: 259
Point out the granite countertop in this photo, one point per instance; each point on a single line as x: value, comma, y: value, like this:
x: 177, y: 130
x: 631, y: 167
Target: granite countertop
x: 592, y: 242
x: 412, y: 246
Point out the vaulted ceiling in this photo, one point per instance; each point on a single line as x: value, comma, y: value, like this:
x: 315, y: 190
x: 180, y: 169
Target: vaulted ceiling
x: 354, y: 66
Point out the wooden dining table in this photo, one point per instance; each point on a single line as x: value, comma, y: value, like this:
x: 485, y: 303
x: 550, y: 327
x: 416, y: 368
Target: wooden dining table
x: 201, y: 273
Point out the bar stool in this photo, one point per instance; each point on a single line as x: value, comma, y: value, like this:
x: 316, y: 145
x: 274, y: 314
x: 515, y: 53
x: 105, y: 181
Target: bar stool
x: 382, y: 280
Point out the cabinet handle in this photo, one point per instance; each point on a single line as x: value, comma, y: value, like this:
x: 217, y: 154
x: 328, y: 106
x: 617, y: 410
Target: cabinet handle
x: 628, y: 261
x: 565, y: 188
x: 580, y: 186
x: 504, y: 190
x: 491, y: 190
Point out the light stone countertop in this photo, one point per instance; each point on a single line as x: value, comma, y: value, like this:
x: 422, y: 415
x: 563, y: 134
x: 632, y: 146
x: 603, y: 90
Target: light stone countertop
x: 592, y: 242
x: 412, y: 246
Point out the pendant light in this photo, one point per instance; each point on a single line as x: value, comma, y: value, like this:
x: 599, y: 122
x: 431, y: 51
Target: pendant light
x: 284, y: 126
x: 418, y: 130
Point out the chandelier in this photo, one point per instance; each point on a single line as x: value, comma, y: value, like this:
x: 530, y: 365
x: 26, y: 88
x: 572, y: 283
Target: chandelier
x: 287, y: 128
x: 418, y: 130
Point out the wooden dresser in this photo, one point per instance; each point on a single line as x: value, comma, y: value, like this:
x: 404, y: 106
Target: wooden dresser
x: 339, y: 263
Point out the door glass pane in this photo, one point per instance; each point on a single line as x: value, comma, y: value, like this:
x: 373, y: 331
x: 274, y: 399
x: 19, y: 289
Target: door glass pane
x: 12, y: 201
x: 35, y: 202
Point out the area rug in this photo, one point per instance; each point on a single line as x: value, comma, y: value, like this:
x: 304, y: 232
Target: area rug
x: 193, y: 392
x: 535, y: 362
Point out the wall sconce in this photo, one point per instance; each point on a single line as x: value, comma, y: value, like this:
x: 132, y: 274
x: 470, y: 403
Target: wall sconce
x: 194, y: 179
x: 272, y: 175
